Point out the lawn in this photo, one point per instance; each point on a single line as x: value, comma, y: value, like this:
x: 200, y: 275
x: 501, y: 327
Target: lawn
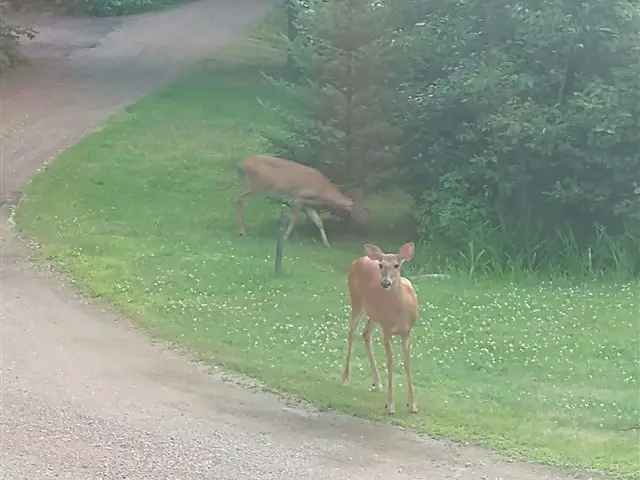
x: 141, y: 214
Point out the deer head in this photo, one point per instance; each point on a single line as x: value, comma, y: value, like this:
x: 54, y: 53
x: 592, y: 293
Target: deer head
x: 390, y: 264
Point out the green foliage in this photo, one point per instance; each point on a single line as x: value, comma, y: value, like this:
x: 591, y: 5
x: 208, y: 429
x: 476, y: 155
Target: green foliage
x: 520, y: 121
x: 337, y: 116
x: 120, y: 7
x: 523, y: 128
x: 96, y: 7
x: 10, y: 36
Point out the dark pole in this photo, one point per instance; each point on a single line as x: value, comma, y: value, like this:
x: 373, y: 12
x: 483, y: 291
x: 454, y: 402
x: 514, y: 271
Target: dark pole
x: 282, y: 226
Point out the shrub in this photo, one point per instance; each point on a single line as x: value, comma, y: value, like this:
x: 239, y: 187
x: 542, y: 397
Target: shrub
x: 10, y: 35
x: 522, y: 130
x: 119, y: 7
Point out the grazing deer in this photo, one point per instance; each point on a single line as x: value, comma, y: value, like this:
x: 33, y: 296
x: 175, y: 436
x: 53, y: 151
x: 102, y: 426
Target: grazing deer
x: 379, y: 292
x: 302, y: 187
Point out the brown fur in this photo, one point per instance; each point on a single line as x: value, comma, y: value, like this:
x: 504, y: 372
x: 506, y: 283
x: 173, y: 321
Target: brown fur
x: 378, y: 291
x: 305, y: 188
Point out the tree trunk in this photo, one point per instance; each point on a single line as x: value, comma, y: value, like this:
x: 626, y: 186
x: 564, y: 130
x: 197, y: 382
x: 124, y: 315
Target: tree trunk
x: 292, y: 33
x: 348, y: 130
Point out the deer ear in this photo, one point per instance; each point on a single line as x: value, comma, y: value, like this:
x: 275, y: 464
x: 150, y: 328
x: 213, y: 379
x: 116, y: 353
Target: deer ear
x: 406, y: 251
x: 373, y: 251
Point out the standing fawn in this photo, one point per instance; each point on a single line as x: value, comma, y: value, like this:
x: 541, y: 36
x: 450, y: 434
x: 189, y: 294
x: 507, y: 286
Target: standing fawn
x: 379, y: 292
x: 303, y: 187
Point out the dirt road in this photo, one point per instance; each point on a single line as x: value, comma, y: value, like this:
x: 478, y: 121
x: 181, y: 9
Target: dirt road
x: 83, y: 395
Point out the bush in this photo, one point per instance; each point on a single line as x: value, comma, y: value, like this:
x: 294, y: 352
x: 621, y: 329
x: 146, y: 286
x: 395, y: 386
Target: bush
x: 97, y: 7
x: 116, y: 7
x: 520, y: 121
x: 10, y: 35
x: 523, y: 130
x: 119, y: 7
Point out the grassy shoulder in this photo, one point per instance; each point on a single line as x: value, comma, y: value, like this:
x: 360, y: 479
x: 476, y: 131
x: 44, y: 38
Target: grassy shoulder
x: 141, y: 214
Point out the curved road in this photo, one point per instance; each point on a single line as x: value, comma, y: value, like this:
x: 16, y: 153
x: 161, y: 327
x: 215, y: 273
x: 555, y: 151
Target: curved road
x: 83, y: 395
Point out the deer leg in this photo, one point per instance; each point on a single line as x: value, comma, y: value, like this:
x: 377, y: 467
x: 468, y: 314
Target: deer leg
x: 406, y: 351
x: 241, y: 203
x: 295, y: 213
x: 315, y: 218
x: 391, y: 408
x: 366, y: 336
x: 356, y: 315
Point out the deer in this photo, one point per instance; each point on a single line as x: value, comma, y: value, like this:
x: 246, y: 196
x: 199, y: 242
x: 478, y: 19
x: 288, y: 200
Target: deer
x: 379, y: 292
x: 303, y: 188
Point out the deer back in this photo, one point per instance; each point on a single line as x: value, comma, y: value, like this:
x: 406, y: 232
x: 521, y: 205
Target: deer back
x: 293, y: 181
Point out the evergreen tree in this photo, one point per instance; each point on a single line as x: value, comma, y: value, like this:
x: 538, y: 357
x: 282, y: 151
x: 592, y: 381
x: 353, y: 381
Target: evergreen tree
x: 337, y: 118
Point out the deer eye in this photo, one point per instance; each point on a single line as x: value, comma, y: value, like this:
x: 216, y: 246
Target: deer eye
x: 380, y: 265
x: 396, y: 265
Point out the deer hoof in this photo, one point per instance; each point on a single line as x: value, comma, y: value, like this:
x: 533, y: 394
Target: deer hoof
x: 346, y: 378
x: 390, y: 408
x: 413, y: 408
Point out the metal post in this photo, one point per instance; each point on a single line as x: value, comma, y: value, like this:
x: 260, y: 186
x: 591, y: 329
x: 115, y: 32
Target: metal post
x: 280, y: 241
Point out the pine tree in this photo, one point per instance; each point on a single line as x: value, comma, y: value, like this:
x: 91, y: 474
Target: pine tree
x: 338, y: 117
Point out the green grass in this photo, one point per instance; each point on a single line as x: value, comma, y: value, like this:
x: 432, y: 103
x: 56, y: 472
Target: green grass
x: 141, y: 214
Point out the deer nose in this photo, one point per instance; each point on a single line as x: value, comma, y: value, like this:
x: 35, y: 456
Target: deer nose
x: 386, y: 283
